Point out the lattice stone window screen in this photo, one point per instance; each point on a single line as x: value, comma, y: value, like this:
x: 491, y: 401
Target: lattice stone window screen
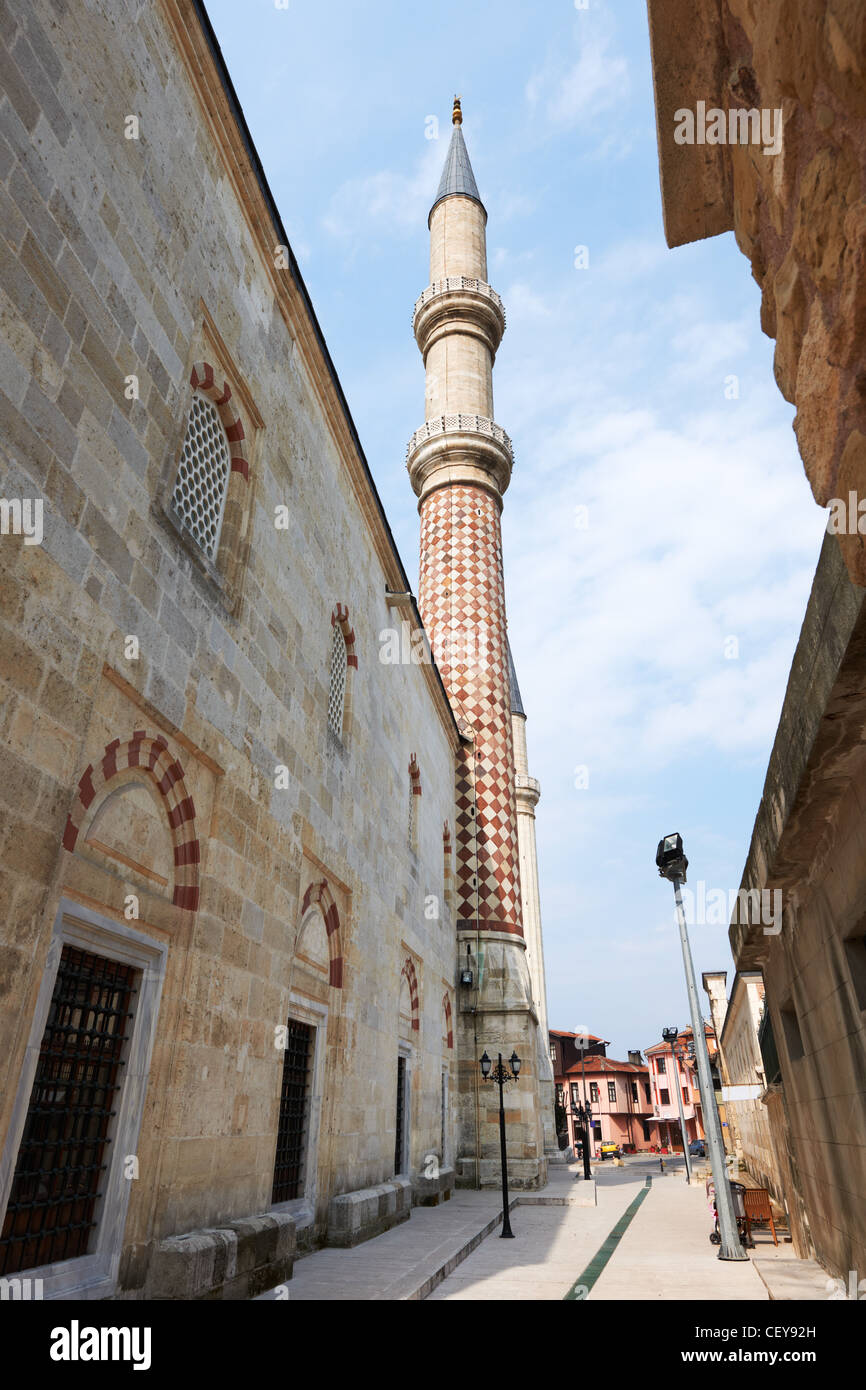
x: 413, y: 817
x: 202, y: 477
x: 337, y: 691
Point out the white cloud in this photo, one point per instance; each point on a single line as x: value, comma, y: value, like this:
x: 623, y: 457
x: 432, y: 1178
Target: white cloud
x: 388, y: 203
x: 699, y: 529
x: 569, y: 92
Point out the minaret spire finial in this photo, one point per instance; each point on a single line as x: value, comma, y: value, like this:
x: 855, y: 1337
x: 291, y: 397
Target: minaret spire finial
x: 456, y: 114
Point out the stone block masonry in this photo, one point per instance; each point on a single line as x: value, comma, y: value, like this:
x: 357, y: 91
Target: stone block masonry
x: 167, y: 763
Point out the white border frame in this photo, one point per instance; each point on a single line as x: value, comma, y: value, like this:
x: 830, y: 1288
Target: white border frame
x: 94, y: 1276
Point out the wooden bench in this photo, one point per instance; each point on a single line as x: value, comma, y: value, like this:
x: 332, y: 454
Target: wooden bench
x: 758, y: 1210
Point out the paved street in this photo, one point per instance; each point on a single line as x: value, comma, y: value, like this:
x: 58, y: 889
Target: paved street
x: 634, y: 1241
x: 663, y: 1252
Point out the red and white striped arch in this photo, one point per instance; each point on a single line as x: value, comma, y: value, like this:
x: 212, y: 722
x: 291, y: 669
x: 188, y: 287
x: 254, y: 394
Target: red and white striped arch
x: 319, y: 893
x: 340, y: 619
x: 414, y: 1000
x: 152, y: 757
x: 203, y: 378
x: 449, y: 1027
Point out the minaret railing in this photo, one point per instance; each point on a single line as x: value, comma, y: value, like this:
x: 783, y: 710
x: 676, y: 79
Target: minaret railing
x: 454, y: 283
x: 445, y: 424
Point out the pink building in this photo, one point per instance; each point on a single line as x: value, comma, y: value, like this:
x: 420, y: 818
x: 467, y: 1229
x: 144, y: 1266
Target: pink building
x: 665, y: 1076
x: 620, y: 1096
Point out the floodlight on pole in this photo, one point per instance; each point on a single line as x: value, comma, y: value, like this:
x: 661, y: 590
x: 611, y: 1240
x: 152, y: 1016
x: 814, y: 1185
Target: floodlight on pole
x: 672, y: 863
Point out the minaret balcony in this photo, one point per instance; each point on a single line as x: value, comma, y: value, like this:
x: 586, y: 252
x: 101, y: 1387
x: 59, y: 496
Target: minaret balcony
x: 458, y: 304
x: 459, y: 449
x: 528, y: 790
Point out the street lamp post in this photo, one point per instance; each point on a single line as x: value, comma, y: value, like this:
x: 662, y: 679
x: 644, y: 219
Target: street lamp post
x: 587, y: 1113
x: 501, y: 1074
x: 584, y: 1116
x: 672, y: 864
x: 670, y: 1035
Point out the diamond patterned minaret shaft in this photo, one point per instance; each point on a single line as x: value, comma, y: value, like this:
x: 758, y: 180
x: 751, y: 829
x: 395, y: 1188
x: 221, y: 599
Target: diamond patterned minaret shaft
x: 460, y: 465
x: 460, y: 462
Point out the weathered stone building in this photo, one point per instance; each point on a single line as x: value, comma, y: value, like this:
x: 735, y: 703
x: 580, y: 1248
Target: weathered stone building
x: 786, y: 172
x: 797, y: 206
x: 743, y: 1075
x: 808, y: 842
x: 235, y: 871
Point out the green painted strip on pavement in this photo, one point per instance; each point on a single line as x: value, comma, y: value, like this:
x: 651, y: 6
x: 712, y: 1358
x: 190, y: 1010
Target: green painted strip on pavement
x: 590, y: 1275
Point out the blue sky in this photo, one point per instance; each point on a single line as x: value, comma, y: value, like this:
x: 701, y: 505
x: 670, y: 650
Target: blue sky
x: 652, y: 643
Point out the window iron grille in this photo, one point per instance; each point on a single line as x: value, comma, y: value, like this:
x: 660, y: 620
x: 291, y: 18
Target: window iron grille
x: 52, y: 1208
x: 413, y: 818
x: 202, y: 476
x: 294, y: 1113
x: 401, y: 1115
x: 442, y: 1137
x: 337, y: 688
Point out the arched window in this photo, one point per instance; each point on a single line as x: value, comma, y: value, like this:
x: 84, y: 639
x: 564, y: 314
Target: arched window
x: 448, y: 870
x: 414, y: 794
x: 210, y: 499
x: 337, y: 687
x: 344, y: 661
x: 201, y: 485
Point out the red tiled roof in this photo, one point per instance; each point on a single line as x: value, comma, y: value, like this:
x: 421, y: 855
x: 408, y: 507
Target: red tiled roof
x: 591, y: 1064
x: 561, y: 1033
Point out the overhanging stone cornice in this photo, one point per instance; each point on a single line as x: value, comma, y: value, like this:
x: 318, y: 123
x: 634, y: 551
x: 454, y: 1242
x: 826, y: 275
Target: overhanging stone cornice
x: 689, y: 54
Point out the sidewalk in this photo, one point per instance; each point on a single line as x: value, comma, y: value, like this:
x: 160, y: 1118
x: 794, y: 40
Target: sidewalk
x: 410, y: 1260
x: 639, y: 1243
x: 615, y: 1239
x: 666, y: 1253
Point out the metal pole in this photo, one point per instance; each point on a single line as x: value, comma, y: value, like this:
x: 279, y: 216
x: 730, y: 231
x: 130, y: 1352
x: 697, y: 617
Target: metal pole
x: 682, y: 1115
x: 731, y: 1247
x: 587, y: 1171
x: 506, y: 1233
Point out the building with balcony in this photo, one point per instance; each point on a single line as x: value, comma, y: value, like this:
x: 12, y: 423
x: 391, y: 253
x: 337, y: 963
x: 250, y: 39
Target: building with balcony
x: 619, y: 1093
x: 665, y: 1110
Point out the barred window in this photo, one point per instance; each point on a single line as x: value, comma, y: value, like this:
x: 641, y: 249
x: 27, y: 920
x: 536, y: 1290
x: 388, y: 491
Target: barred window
x: 337, y: 691
x: 202, y: 476
x: 64, y: 1154
x: 293, y: 1132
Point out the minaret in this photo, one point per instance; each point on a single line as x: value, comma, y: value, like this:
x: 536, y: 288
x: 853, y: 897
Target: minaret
x: 528, y: 792
x: 459, y: 464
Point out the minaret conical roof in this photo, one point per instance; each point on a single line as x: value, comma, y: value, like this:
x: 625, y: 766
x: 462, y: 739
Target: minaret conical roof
x: 513, y: 687
x: 457, y: 175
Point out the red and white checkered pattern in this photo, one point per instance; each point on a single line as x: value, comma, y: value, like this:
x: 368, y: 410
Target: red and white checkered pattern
x: 462, y: 600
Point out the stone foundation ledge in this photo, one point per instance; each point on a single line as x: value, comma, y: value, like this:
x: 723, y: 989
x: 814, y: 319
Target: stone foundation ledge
x: 357, y: 1216
x: 237, y: 1261
x: 429, y: 1192
x: 527, y: 1175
